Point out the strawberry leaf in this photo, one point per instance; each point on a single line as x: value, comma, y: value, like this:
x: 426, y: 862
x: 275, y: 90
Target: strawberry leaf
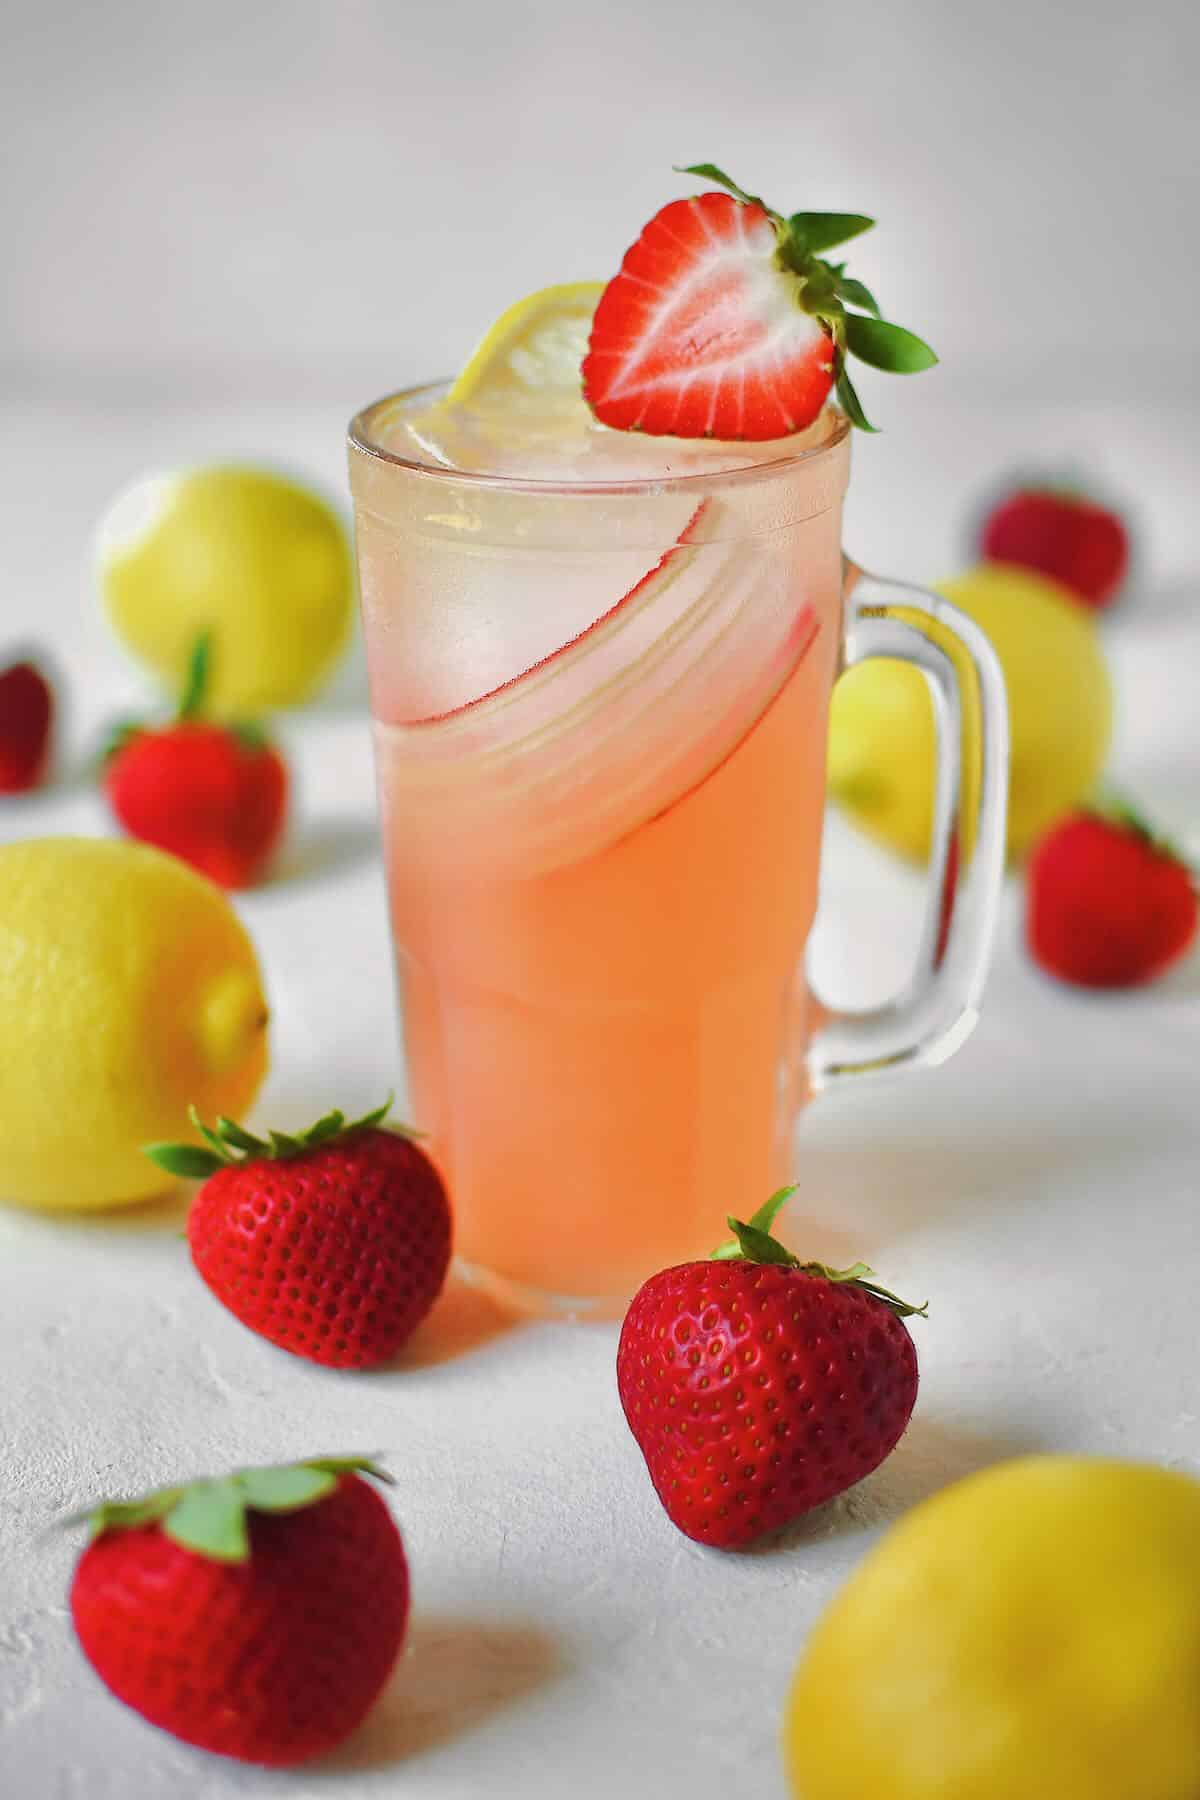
x: 754, y: 1243
x: 191, y: 1162
x: 285, y: 1490
x: 210, y: 1518
x: 119, y: 737
x: 238, y: 1138
x: 230, y: 1144
x: 856, y: 293
x: 821, y: 231
x: 848, y: 399
x: 860, y: 1276
x: 762, y: 1220
x: 887, y: 346
x: 328, y: 1127
x: 710, y: 172
x: 249, y: 735
x: 759, y: 1246
x: 124, y: 1515
x: 376, y: 1117
x: 211, y: 1138
x: 1118, y: 809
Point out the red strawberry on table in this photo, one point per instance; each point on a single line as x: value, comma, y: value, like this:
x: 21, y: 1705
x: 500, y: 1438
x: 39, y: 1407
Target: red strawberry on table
x: 332, y: 1243
x: 257, y: 1615
x: 1108, y: 904
x: 725, y: 322
x: 214, y: 795
x: 1077, y: 542
x: 26, y: 720
x: 758, y: 1387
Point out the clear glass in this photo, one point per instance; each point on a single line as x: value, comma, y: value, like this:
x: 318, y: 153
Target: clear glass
x: 600, y: 722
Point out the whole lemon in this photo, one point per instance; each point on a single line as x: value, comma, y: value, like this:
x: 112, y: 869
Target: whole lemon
x: 256, y: 561
x: 128, y: 989
x: 882, y: 735
x: 1031, y: 1633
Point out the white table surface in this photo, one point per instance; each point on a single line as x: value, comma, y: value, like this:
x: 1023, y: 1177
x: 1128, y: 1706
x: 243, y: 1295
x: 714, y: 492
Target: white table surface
x: 1041, y: 1189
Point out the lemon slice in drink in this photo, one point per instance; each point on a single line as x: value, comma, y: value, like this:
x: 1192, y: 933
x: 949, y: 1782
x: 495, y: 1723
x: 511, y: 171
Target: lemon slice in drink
x: 529, y: 363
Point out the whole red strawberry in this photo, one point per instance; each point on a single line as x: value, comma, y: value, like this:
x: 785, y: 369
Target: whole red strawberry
x: 257, y: 1615
x: 26, y: 719
x: 333, y: 1243
x: 759, y: 1387
x: 214, y: 795
x: 1108, y: 904
x: 1077, y: 542
x: 725, y: 322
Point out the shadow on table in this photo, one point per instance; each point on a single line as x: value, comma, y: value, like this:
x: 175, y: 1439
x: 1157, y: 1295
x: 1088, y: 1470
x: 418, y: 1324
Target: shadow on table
x: 929, y: 1456
x: 464, y: 1318
x: 454, y: 1675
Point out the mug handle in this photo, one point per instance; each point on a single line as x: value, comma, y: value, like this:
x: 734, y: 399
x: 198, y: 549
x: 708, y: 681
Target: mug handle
x: 938, y: 1009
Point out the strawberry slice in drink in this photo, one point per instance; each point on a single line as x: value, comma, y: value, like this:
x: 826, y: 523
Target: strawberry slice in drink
x: 614, y: 728
x: 620, y: 618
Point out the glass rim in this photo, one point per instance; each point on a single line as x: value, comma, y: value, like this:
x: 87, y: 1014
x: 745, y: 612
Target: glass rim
x: 360, y: 437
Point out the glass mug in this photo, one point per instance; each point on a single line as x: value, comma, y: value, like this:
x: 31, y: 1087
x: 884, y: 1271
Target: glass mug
x: 600, y: 722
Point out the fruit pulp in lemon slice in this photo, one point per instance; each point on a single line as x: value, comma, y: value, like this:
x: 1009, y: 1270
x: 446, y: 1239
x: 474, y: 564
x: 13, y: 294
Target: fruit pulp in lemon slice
x: 530, y: 360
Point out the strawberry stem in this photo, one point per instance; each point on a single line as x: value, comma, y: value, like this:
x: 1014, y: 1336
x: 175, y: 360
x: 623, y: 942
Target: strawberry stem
x: 195, y: 686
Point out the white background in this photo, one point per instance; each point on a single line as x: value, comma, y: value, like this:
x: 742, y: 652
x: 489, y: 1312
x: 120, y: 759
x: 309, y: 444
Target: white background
x: 224, y: 227
x: 342, y: 191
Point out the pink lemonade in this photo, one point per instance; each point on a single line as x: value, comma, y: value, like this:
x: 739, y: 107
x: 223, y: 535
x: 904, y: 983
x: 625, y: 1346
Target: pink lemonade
x: 601, y: 710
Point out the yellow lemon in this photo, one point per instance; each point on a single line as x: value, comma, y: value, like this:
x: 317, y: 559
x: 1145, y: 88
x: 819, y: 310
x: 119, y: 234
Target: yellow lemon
x: 128, y: 989
x: 260, y: 563
x: 529, y: 362
x: 1032, y: 1633
x: 882, y: 737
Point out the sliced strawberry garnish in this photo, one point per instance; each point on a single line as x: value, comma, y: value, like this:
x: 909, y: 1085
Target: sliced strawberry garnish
x: 724, y: 322
x: 702, y: 334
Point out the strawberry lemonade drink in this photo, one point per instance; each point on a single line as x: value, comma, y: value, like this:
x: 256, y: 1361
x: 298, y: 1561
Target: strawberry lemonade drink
x: 600, y: 662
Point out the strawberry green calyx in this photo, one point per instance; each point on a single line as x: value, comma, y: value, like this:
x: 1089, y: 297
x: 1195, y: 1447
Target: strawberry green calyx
x: 1117, y: 809
x: 228, y: 1144
x: 827, y: 292
x: 209, y: 1515
x: 753, y: 1242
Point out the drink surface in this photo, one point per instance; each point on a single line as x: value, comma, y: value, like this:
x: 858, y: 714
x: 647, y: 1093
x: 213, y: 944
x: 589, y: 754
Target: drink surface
x: 600, y: 729
x: 540, y: 438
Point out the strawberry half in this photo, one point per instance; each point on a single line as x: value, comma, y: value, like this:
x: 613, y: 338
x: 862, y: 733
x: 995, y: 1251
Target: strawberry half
x: 725, y: 322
